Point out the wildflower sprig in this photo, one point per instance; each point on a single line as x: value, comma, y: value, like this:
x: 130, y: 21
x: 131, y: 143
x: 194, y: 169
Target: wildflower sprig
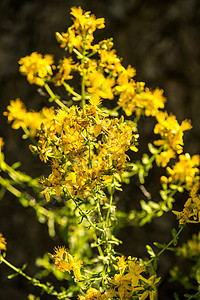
x: 90, y: 150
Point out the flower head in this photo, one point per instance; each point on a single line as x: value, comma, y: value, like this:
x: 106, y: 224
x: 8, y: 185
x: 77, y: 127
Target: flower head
x: 27, y: 120
x: 1, y: 144
x: 185, y: 171
x: 37, y: 68
x: 171, y: 131
x: 93, y: 294
x: 2, y: 242
x: 191, y: 210
x: 65, y: 262
x: 80, y: 34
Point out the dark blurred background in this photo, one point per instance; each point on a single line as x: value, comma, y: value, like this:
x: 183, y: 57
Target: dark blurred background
x: 161, y: 39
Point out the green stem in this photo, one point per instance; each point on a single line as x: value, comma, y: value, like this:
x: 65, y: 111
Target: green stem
x: 167, y: 246
x: 53, y: 96
x: 49, y: 289
x: 84, y: 214
x: 71, y: 91
x: 10, y: 188
x: 80, y: 55
x: 83, y: 89
x: 110, y: 203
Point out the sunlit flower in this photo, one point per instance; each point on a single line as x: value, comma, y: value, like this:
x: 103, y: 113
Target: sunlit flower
x: 80, y: 34
x: 130, y: 282
x: 37, y: 68
x: 1, y: 144
x: 134, y: 97
x: 2, y: 242
x: 164, y: 157
x: 191, y: 210
x: 170, y: 131
x: 93, y: 294
x: 65, y: 68
x: 28, y: 120
x: 185, y: 171
x: 93, y: 147
x: 65, y: 262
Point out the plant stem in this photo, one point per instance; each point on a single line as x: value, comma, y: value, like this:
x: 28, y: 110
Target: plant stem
x: 71, y: 91
x: 167, y: 246
x: 53, y: 96
x: 49, y: 289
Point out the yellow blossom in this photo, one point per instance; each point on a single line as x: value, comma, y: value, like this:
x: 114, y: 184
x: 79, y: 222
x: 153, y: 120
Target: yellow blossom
x: 135, y: 98
x: 93, y: 294
x: 122, y: 264
x: 80, y: 34
x: 98, y: 84
x: 185, y: 171
x: 130, y: 282
x: 37, y: 68
x: 64, y: 71
x: 191, y: 210
x: 164, y: 157
x: 65, y: 262
x: 94, y: 148
x: 170, y: 131
x: 1, y: 144
x: 2, y: 242
x: 20, y: 117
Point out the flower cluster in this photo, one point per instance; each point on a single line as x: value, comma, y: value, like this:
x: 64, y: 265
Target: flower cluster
x: 65, y: 262
x: 2, y: 242
x: 37, y: 68
x: 80, y: 34
x: 27, y: 120
x: 65, y: 68
x: 185, y: 171
x: 171, y: 136
x: 86, y: 148
x: 130, y: 282
x: 135, y: 97
x: 191, y: 210
x: 93, y: 294
x: 1, y: 144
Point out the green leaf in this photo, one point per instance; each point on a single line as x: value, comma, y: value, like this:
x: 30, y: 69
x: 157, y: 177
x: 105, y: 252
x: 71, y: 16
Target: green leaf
x: 152, y: 149
x: 12, y: 275
x: 150, y: 251
x: 158, y: 245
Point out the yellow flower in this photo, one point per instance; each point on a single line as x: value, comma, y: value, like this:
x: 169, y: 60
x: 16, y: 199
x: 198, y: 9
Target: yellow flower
x: 111, y: 62
x: 65, y: 262
x: 130, y: 283
x: 94, y: 148
x: 191, y: 210
x: 93, y: 294
x: 99, y: 85
x: 80, y: 34
x: 2, y: 242
x: 170, y: 131
x: 135, y: 98
x: 164, y: 157
x: 18, y: 114
x: 65, y: 67
x: 122, y: 264
x: 37, y: 68
x: 1, y: 144
x: 185, y: 171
